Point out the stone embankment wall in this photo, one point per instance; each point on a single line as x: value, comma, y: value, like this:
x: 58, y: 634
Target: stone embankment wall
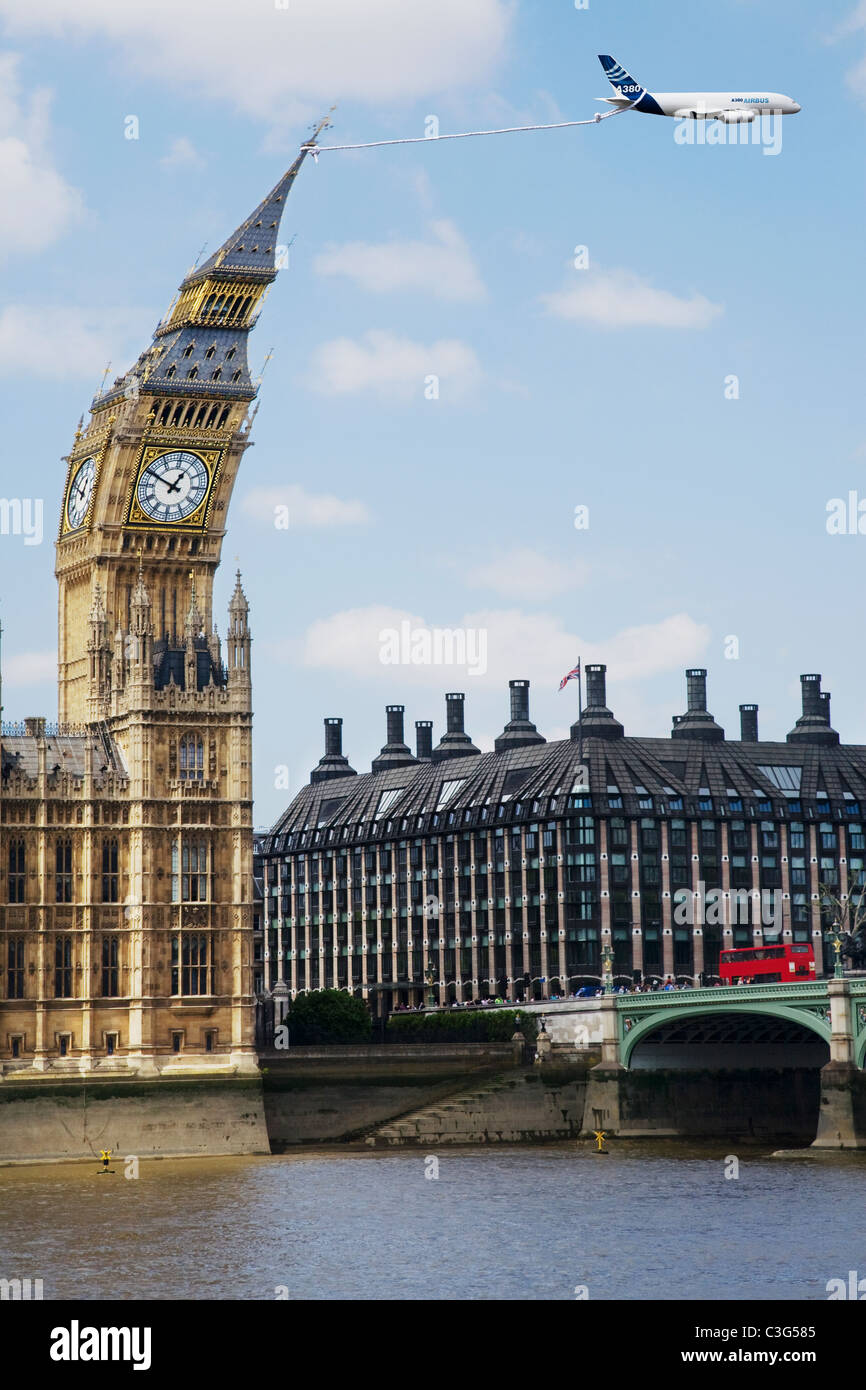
x: 51, y: 1121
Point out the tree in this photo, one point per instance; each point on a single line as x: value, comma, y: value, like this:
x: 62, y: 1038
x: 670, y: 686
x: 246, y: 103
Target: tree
x: 848, y: 913
x: 328, y: 1016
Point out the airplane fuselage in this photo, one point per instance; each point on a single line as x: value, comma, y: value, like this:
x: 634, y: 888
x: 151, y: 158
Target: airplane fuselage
x: 707, y: 105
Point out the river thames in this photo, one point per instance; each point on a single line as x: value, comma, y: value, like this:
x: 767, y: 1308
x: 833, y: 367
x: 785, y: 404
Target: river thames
x: 650, y: 1221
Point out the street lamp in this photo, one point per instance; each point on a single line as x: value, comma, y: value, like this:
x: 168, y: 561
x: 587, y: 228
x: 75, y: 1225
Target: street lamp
x: 606, y: 968
x: 835, y: 940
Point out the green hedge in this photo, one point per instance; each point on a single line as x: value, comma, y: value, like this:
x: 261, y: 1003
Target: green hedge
x: 461, y: 1025
x: 328, y: 1016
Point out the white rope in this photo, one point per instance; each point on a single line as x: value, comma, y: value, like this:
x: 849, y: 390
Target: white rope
x: 316, y: 150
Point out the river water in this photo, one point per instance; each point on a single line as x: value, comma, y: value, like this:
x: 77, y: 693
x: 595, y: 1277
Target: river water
x: 646, y: 1221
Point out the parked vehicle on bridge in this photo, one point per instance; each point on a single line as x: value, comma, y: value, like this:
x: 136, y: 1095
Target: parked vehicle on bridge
x: 767, y: 965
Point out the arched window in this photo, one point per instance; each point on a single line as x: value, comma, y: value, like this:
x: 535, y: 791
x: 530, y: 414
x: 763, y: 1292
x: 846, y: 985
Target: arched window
x: 192, y: 373
x: 210, y: 352
x: 223, y: 418
x: 172, y: 371
x: 215, y: 376
x: 236, y: 376
x: 191, y: 758
x: 230, y: 354
x: 200, y: 417
x: 166, y: 411
x: 189, y: 350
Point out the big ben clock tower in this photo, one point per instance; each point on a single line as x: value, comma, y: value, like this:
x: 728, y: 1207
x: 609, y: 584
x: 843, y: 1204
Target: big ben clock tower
x: 127, y: 916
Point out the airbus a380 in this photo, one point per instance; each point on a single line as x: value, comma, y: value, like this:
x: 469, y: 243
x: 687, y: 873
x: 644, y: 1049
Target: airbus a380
x: 730, y: 107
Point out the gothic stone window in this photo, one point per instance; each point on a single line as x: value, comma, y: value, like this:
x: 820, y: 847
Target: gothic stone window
x: 110, y: 971
x: 63, y: 967
x: 109, y: 871
x: 63, y: 871
x: 15, y: 972
x: 17, y: 867
x: 191, y: 758
x: 189, y: 871
x: 191, y: 964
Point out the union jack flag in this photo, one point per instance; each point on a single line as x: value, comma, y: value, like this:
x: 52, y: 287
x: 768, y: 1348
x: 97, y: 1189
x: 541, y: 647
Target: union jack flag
x: 573, y: 675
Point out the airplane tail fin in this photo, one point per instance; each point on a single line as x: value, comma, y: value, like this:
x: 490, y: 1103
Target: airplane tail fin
x: 621, y: 81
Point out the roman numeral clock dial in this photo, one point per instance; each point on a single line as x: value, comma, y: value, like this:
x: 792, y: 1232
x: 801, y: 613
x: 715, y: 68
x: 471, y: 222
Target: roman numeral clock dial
x: 173, y: 487
x: 80, y: 493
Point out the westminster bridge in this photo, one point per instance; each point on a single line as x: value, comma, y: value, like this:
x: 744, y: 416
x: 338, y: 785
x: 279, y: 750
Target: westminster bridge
x: 809, y: 1037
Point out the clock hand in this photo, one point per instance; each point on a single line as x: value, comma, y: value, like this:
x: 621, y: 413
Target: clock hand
x: 175, y: 486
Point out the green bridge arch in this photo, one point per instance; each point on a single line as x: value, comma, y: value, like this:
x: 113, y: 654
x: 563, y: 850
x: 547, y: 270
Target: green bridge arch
x: 805, y: 1017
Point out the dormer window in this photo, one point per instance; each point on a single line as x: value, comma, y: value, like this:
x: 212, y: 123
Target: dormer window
x: 230, y: 354
x: 171, y: 372
x: 258, y: 224
x: 210, y: 352
x: 189, y: 350
x: 215, y: 376
x: 192, y: 374
x: 236, y: 376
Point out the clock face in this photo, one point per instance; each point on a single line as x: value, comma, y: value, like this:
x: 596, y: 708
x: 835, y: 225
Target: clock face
x: 172, y: 486
x: 80, y: 491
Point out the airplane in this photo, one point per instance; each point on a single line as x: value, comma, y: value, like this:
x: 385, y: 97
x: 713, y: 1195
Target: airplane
x: 730, y: 107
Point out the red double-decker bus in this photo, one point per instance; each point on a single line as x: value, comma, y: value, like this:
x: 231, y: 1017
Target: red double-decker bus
x: 767, y: 964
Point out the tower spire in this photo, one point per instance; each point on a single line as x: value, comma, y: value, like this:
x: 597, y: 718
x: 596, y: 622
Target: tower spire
x: 214, y: 310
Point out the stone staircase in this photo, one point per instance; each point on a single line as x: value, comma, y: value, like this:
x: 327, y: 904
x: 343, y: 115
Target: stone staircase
x: 513, y: 1108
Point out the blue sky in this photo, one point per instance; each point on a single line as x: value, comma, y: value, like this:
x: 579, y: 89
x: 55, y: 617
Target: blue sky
x: 558, y: 387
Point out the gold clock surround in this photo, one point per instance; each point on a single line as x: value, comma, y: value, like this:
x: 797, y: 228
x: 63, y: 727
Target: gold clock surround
x: 197, y: 521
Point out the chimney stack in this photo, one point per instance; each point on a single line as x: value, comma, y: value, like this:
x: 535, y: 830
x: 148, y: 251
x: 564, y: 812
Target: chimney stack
x: 813, y: 726
x: 333, y: 764
x: 395, y: 752
x: 519, y: 732
x: 748, y: 723
x: 596, y: 721
x: 423, y: 740
x: 455, y: 742
x: 697, y: 722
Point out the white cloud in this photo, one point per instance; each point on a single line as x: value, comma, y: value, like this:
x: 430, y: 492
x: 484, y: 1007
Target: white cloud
x: 306, y: 509
x: 442, y: 267
x: 37, y: 205
x: 29, y: 668
x: 621, y: 299
x: 391, y: 365
x: 274, y: 61
x: 182, y: 154
x: 60, y: 343
x: 535, y: 646
x: 525, y: 573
